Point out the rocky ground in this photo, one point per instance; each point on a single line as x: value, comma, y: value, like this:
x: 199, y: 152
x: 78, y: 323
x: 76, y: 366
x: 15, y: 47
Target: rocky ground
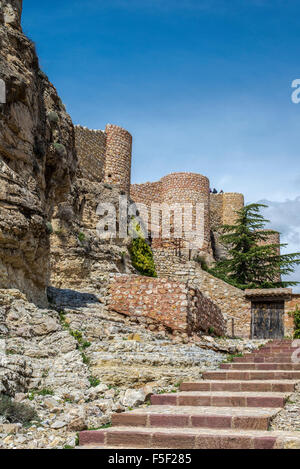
x: 289, y: 418
x: 76, y: 364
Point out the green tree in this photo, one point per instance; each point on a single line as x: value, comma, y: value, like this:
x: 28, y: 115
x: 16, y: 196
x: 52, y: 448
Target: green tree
x: 251, y: 263
x: 140, y: 251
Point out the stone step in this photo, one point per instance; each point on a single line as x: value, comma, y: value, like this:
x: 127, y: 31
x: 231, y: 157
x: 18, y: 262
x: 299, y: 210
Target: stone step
x: 261, y: 366
x: 251, y: 375
x: 222, y: 399
x: 240, y: 386
x: 187, y: 438
x: 264, y: 359
x: 275, y: 350
x: 197, y: 417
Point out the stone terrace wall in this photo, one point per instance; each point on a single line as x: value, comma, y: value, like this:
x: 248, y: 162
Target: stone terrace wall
x: 288, y: 319
x: 204, y: 314
x: 230, y: 300
x: 161, y: 302
x: 91, y: 149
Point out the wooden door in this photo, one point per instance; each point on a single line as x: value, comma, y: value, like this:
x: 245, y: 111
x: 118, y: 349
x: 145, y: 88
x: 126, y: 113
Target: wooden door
x: 267, y: 320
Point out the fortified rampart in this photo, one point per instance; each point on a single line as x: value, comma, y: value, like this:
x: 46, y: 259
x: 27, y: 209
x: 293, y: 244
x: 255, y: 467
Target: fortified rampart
x: 223, y: 208
x: 105, y: 156
x: 182, y: 188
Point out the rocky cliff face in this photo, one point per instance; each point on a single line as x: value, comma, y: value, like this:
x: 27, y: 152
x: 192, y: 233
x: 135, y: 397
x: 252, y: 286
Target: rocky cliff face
x: 37, y: 159
x: 80, y: 259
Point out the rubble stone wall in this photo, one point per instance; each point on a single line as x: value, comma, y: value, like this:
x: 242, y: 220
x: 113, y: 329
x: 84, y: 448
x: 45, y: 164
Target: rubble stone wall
x: 91, y: 149
x: 172, y: 304
x: 290, y: 306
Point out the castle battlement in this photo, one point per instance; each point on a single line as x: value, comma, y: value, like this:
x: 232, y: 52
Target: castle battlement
x: 105, y: 156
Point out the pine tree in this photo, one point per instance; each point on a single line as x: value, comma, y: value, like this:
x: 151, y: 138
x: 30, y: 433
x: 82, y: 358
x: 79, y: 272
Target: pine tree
x: 250, y: 263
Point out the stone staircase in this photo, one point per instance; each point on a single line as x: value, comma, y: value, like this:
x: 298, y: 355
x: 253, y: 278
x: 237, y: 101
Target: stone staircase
x: 231, y: 408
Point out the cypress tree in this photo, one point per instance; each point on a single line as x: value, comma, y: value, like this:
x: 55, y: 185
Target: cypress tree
x: 250, y: 262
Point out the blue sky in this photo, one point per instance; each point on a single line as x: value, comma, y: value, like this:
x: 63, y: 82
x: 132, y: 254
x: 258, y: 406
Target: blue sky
x: 203, y: 86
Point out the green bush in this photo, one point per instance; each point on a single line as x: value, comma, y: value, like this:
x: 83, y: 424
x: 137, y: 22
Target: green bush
x: 201, y: 260
x: 53, y: 117
x: 94, y: 382
x: 142, y: 257
x: 16, y: 412
x: 60, y: 149
x: 49, y: 227
x: 81, y: 237
x: 296, y: 316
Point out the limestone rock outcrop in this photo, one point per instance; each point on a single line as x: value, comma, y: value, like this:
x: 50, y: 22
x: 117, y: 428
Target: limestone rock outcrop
x: 37, y: 159
x: 79, y: 257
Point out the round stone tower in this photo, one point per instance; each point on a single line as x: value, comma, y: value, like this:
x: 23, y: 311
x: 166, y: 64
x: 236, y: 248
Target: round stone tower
x: 183, y: 188
x: 117, y: 167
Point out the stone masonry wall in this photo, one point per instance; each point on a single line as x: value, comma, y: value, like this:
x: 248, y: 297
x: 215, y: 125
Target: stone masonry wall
x: 230, y: 300
x: 178, y: 188
x: 91, y: 149
x: 290, y: 306
x: 205, y: 315
x: 117, y: 169
x: 161, y: 302
x: 223, y: 208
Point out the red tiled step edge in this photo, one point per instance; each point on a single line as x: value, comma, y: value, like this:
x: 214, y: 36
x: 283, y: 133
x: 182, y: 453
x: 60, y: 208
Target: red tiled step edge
x: 242, y: 386
x: 261, y: 366
x: 123, y: 437
x: 197, y: 417
x: 263, y: 359
x: 221, y: 399
x: 251, y: 375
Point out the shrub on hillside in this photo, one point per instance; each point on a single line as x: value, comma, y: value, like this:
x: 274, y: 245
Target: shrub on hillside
x: 140, y: 252
x: 16, y: 412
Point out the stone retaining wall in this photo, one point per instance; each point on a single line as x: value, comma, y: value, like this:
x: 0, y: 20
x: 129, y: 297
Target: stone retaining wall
x: 290, y: 306
x: 163, y: 303
x: 230, y: 300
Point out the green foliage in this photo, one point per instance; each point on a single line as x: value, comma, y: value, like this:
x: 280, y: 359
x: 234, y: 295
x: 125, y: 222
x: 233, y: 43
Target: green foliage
x: 17, y: 412
x: 45, y: 392
x: 251, y: 264
x: 296, y: 316
x: 142, y: 257
x: 94, y: 382
x: 53, y: 117
x: 231, y: 357
x: 140, y: 252
x: 60, y: 149
x: 85, y: 359
x: 211, y: 330
x: 82, y: 344
x: 201, y: 260
x: 49, y: 228
x: 42, y: 392
x: 81, y: 237
x: 77, y: 335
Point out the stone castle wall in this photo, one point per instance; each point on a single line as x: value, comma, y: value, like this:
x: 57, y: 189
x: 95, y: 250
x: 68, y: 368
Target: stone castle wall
x: 105, y: 156
x: 117, y: 169
x: 91, y: 151
x: 223, y: 208
x: 177, y: 188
